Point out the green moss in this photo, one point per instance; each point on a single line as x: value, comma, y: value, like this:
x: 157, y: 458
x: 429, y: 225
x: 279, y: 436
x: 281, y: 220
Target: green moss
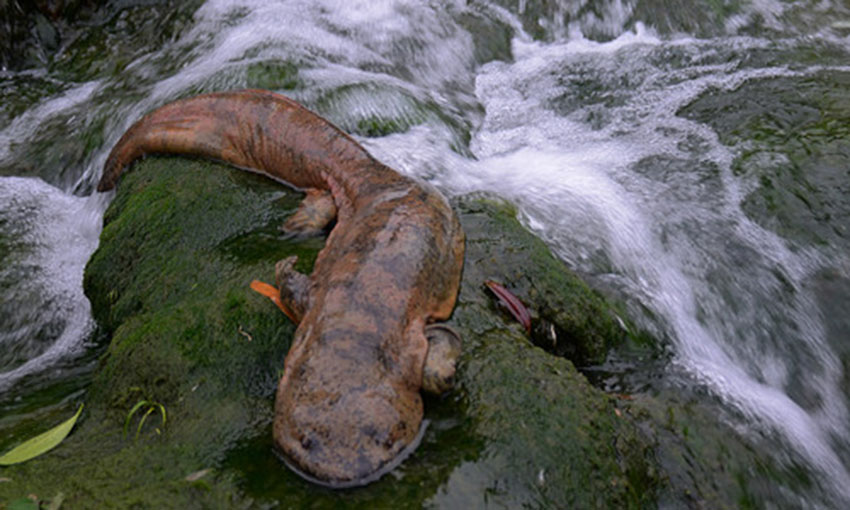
x: 551, y: 437
x: 498, y: 248
x: 272, y: 75
x: 182, y: 334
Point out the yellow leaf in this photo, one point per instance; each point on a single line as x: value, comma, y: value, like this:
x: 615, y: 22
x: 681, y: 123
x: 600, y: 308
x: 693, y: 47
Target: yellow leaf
x: 40, y: 443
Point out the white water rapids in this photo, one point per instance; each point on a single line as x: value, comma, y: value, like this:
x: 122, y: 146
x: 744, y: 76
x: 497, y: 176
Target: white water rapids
x: 565, y: 130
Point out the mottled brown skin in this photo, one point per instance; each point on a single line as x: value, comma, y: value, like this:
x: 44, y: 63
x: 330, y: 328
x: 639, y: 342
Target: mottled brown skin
x: 348, y: 402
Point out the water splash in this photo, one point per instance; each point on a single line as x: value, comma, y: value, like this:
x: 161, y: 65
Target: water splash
x: 46, y: 317
x: 622, y: 187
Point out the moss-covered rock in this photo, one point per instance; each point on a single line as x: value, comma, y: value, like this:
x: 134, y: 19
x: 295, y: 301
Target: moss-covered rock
x: 791, y: 140
x: 791, y: 135
x: 169, y: 285
x: 84, y: 40
x: 91, y: 40
x: 586, y: 326
x: 372, y: 110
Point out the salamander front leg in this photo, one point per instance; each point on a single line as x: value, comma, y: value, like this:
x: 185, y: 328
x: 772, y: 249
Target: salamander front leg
x: 315, y: 212
x: 294, y: 287
x: 444, y: 349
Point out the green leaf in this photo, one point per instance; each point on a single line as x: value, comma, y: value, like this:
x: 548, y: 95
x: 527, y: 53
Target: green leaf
x: 56, y: 502
x: 40, y: 443
x: 142, y: 421
x: 152, y: 406
x: 132, y: 411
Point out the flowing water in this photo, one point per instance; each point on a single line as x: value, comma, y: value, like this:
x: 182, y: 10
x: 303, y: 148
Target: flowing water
x: 579, y: 112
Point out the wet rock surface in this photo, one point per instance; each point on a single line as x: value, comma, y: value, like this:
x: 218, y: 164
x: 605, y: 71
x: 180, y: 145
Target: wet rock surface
x: 169, y: 286
x: 792, y: 144
x: 68, y: 33
x: 792, y: 137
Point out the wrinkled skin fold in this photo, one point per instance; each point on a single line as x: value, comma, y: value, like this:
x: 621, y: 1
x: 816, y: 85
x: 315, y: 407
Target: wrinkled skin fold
x: 348, y: 404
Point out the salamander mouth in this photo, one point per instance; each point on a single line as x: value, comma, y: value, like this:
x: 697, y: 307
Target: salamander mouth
x: 357, y: 482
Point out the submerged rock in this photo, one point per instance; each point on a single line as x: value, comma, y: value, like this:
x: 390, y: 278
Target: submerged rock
x: 790, y: 137
x: 791, y: 140
x: 169, y: 284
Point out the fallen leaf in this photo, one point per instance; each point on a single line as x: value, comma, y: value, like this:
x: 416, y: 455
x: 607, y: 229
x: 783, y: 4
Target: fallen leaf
x: 56, y: 502
x: 272, y: 293
x: 512, y: 303
x: 41, y: 443
x: 197, y: 475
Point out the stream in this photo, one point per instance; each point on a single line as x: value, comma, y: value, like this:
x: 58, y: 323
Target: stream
x: 617, y: 127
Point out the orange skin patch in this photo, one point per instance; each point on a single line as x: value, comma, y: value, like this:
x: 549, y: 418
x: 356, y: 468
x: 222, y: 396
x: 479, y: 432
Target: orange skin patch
x: 348, y: 404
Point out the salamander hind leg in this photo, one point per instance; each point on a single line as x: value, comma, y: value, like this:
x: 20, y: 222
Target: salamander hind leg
x: 315, y: 212
x: 294, y: 287
x: 444, y: 349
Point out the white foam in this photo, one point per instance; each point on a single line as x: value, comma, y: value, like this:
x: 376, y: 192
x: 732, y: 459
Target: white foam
x: 25, y: 125
x: 60, y: 232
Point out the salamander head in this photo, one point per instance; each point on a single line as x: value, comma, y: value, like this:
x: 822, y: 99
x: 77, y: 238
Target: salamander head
x: 346, y: 438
